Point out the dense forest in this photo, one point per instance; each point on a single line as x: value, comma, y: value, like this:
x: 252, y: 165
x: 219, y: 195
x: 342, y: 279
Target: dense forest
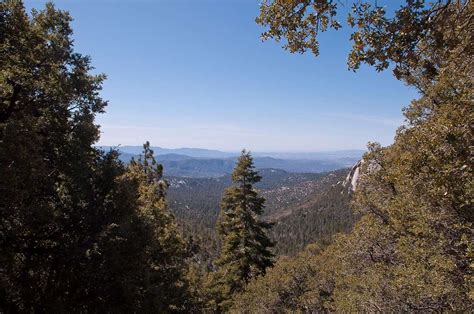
x: 304, y: 207
x: 81, y: 231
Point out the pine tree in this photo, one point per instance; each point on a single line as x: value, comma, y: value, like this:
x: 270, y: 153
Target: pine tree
x: 163, y: 273
x: 245, y: 251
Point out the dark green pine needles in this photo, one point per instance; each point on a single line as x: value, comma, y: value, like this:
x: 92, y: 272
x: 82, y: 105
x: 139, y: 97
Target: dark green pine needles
x: 246, y: 249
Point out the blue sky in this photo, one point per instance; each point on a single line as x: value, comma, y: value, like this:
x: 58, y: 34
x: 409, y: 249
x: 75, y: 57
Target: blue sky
x: 196, y: 74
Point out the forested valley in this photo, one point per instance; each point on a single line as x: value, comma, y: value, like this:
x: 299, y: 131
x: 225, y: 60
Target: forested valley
x: 303, y: 207
x: 82, y: 231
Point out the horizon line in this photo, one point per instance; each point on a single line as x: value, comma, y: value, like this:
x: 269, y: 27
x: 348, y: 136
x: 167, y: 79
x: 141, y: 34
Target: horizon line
x: 237, y: 151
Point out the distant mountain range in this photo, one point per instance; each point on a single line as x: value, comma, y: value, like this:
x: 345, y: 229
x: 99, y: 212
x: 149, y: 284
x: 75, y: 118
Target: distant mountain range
x: 191, y: 152
x: 307, y: 194
x: 205, y: 163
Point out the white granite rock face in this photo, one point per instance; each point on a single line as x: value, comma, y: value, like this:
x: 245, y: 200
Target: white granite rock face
x: 353, y: 176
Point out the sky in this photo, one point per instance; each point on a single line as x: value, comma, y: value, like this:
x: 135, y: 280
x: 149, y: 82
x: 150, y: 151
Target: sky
x: 195, y: 73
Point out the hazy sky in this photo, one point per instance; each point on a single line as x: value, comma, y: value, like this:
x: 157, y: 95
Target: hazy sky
x: 196, y: 74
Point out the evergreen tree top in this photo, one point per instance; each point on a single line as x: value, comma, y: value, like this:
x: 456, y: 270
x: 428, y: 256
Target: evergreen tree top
x: 147, y: 163
x: 244, y: 172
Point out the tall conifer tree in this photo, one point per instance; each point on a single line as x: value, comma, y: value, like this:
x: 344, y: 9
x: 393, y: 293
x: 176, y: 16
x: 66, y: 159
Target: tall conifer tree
x: 163, y: 266
x: 245, y: 252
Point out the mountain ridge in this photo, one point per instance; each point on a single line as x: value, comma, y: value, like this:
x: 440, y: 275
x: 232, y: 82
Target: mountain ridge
x: 214, y: 153
x: 206, y: 166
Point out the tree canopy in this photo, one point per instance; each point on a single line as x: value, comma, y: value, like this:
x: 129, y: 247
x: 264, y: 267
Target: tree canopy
x: 412, y: 248
x: 418, y: 37
x: 79, y: 231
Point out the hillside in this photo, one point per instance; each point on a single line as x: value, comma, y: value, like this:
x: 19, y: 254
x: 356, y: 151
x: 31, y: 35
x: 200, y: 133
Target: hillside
x: 181, y: 165
x: 304, y: 207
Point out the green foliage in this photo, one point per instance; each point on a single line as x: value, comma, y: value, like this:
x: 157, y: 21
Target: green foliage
x: 299, y: 22
x: 56, y: 189
x: 303, y: 207
x: 78, y: 231
x: 245, y: 251
x: 412, y: 249
x: 317, y: 220
x: 162, y: 274
x: 418, y: 195
x: 289, y: 287
x: 379, y: 37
